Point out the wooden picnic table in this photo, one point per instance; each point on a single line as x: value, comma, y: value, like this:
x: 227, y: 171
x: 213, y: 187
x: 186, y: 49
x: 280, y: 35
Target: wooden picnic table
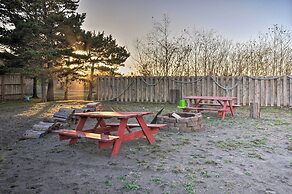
x: 104, y: 131
x: 202, y: 103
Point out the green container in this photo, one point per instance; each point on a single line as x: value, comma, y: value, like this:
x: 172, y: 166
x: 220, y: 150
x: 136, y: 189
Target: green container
x: 182, y: 104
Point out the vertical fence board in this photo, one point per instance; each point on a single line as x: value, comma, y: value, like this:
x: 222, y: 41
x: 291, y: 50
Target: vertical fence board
x: 273, y: 92
x: 290, y: 91
x: 279, y: 91
x: 285, y: 96
x: 262, y: 92
x: 267, y: 94
x: 244, y: 91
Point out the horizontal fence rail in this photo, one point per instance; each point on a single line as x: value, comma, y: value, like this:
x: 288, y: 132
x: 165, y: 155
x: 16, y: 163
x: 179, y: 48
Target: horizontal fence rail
x: 14, y: 86
x: 268, y: 91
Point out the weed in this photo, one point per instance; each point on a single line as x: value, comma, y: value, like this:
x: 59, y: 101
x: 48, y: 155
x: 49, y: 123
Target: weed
x: 229, y: 144
x: 262, y: 141
x: 212, y: 162
x: 280, y: 122
x: 247, y: 173
x: 133, y: 186
x: 141, y: 162
x: 205, y: 173
x: 122, y: 177
x: 191, y: 177
x: 189, y: 188
x: 156, y: 180
x: 255, y: 155
x: 232, y: 144
x: 108, y: 183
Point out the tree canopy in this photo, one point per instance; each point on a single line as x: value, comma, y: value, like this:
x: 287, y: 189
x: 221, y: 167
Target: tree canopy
x: 41, y: 38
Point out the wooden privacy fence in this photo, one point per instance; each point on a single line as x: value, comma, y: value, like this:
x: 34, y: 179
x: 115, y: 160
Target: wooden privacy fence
x: 14, y: 86
x: 267, y: 91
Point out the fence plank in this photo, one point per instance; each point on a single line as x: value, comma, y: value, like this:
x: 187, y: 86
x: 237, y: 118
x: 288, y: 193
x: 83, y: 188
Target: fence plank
x: 267, y: 93
x: 262, y: 92
x: 285, y: 96
x: 290, y: 92
x: 273, y: 92
x: 279, y: 92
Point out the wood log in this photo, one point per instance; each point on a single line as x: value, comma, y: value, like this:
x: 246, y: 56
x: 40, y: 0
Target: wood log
x: 255, y: 110
x: 32, y: 134
x: 67, y: 110
x: 42, y: 126
x: 63, y: 115
x: 58, y: 119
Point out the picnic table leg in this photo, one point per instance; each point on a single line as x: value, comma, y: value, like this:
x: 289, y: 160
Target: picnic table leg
x: 121, y: 132
x: 224, y: 110
x: 145, y: 130
x: 231, y: 108
x: 79, y: 127
x: 81, y: 123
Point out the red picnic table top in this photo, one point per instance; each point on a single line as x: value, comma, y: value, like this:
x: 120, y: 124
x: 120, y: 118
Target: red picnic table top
x: 104, y: 114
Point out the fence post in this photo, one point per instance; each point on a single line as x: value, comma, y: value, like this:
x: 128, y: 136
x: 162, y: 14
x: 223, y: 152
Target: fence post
x: 255, y: 110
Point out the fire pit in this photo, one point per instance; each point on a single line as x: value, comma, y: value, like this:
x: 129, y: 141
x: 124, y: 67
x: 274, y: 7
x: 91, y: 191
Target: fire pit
x: 182, y: 121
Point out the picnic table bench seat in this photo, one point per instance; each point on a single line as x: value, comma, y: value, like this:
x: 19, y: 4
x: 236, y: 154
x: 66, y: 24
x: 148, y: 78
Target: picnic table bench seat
x: 201, y: 109
x: 133, y: 125
x: 68, y: 134
x: 216, y: 104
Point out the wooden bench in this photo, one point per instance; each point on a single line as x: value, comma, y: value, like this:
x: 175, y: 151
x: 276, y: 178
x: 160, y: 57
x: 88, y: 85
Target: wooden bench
x: 73, y: 134
x: 216, y: 104
x: 150, y: 126
x: 201, y: 109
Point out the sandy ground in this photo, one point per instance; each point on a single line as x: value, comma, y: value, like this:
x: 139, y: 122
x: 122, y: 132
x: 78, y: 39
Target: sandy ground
x: 237, y: 155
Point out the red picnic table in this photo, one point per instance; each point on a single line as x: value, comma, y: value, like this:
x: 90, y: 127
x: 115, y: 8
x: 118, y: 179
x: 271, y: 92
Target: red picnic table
x: 222, y: 104
x: 103, y: 131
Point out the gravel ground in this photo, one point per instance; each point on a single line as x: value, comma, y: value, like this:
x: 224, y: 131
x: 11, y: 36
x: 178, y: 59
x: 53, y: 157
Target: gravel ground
x: 237, y: 155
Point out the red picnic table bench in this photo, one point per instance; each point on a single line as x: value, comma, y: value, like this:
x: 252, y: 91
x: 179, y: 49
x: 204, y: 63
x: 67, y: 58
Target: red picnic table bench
x: 102, y: 131
x: 210, y: 103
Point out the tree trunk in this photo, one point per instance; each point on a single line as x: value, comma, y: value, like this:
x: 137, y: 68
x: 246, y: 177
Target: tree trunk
x: 66, y: 88
x: 50, y: 92
x: 34, y: 88
x: 90, y: 90
x: 90, y: 86
x: 44, y: 92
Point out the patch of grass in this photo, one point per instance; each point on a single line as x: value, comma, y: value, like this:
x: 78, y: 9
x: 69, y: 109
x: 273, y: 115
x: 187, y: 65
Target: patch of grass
x: 212, y: 162
x: 247, y: 173
x: 189, y: 188
x: 279, y: 122
x: 205, y: 173
x: 121, y: 177
x: 232, y: 144
x: 108, y: 183
x: 156, y: 180
x: 141, y: 162
x: 191, y: 177
x: 133, y: 186
x: 262, y: 141
x: 255, y: 155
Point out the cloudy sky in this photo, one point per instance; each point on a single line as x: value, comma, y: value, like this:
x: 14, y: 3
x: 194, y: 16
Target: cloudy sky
x: 239, y: 20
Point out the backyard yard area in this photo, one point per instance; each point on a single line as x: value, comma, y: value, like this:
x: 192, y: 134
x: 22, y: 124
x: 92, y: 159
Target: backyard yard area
x: 235, y: 155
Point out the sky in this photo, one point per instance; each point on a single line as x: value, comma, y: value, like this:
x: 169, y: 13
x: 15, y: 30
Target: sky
x: 239, y: 20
